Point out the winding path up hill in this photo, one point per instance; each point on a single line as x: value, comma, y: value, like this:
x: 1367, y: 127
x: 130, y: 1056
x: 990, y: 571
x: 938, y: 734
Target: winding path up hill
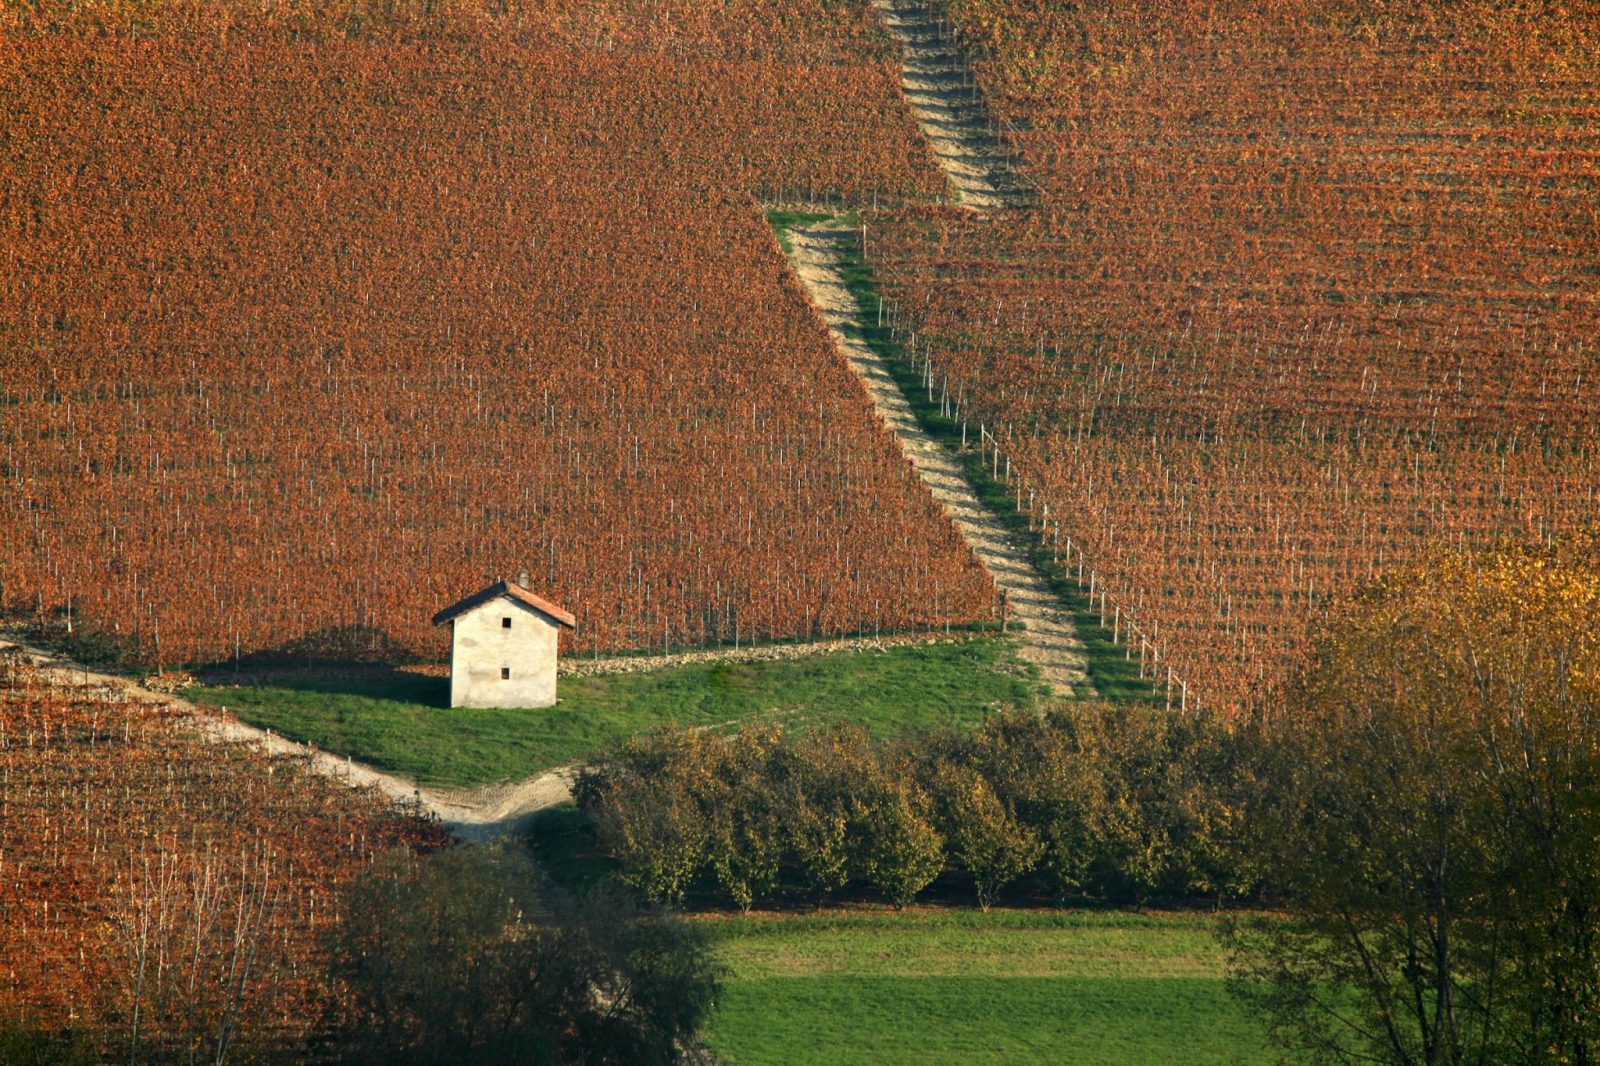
x: 952, y: 116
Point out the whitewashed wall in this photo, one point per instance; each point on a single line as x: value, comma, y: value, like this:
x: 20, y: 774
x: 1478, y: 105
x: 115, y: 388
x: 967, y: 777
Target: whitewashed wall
x: 481, y: 647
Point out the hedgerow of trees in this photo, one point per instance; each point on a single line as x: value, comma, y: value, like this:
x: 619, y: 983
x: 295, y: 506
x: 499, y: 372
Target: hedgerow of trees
x: 1084, y: 800
x: 1419, y: 816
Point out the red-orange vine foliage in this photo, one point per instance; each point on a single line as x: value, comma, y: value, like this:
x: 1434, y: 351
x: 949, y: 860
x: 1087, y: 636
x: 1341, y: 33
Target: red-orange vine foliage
x: 307, y: 332
x: 159, y: 891
x: 1307, y: 287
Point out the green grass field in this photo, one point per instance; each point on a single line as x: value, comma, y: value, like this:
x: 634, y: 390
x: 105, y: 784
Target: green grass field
x: 400, y: 722
x: 931, y: 986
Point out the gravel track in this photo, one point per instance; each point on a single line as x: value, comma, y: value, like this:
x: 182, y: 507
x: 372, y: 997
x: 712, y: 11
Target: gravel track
x: 1050, y: 639
x: 934, y: 77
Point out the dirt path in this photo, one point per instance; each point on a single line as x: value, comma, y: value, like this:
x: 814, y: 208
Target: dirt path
x: 934, y: 78
x: 1050, y: 640
x: 472, y: 814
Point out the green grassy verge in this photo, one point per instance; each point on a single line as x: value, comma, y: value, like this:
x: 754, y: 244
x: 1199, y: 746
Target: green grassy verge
x: 1114, y: 674
x: 400, y: 721
x: 783, y: 221
x: 962, y: 986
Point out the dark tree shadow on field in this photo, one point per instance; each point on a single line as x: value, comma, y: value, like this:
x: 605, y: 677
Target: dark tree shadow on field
x: 335, y: 645
x: 339, y: 660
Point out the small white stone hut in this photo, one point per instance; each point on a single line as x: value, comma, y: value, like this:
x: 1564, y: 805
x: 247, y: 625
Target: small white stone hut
x: 503, y: 647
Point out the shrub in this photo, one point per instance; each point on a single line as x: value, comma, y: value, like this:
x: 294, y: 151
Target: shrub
x: 25, y: 1044
x: 1040, y: 767
x: 818, y: 799
x: 985, y: 837
x: 745, y: 837
x: 649, y: 802
x: 901, y: 851
x: 471, y: 957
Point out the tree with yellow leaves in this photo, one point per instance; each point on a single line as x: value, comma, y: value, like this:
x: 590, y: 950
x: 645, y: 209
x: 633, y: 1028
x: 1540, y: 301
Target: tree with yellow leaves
x: 1430, y: 821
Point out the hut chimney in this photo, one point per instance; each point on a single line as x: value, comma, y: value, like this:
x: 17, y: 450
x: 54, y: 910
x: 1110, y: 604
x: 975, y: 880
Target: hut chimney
x: 522, y: 578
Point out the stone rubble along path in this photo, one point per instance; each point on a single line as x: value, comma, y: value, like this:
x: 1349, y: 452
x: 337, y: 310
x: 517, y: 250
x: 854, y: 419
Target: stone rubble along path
x: 933, y: 77
x: 577, y: 666
x: 1050, y: 639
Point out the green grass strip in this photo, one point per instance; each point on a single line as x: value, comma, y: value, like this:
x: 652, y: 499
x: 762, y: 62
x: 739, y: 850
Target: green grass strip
x: 401, y: 722
x: 964, y: 986
x: 1115, y: 675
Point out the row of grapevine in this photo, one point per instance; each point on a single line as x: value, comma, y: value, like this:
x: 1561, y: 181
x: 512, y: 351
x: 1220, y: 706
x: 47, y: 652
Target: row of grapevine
x: 166, y: 894
x: 1307, y: 290
x: 314, y: 340
x: 811, y: 32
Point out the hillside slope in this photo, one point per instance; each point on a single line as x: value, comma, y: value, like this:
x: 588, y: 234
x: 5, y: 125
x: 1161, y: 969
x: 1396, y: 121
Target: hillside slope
x: 304, y: 337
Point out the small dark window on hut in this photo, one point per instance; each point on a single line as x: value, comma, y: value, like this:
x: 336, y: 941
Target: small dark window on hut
x: 505, y: 623
x: 505, y: 673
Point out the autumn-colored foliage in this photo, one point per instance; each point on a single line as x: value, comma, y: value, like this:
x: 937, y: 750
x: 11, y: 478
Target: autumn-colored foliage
x: 1084, y: 799
x: 165, y: 894
x: 1426, y: 820
x: 311, y: 333
x: 1307, y: 288
x: 829, y: 32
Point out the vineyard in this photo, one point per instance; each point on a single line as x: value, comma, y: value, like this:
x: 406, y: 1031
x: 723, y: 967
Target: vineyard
x: 811, y: 32
x: 162, y: 892
x: 305, y: 332
x: 315, y: 318
x: 1305, y: 291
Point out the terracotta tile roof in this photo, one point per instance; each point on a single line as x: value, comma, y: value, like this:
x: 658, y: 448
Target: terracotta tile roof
x: 509, y: 589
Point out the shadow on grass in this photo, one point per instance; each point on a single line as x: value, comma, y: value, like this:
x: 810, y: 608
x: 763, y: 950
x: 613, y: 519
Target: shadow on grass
x: 370, y: 681
x: 351, y: 660
x: 885, y: 1018
x: 563, y: 840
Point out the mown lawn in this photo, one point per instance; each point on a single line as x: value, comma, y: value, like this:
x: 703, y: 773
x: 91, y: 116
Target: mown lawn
x: 932, y: 985
x: 400, y: 721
